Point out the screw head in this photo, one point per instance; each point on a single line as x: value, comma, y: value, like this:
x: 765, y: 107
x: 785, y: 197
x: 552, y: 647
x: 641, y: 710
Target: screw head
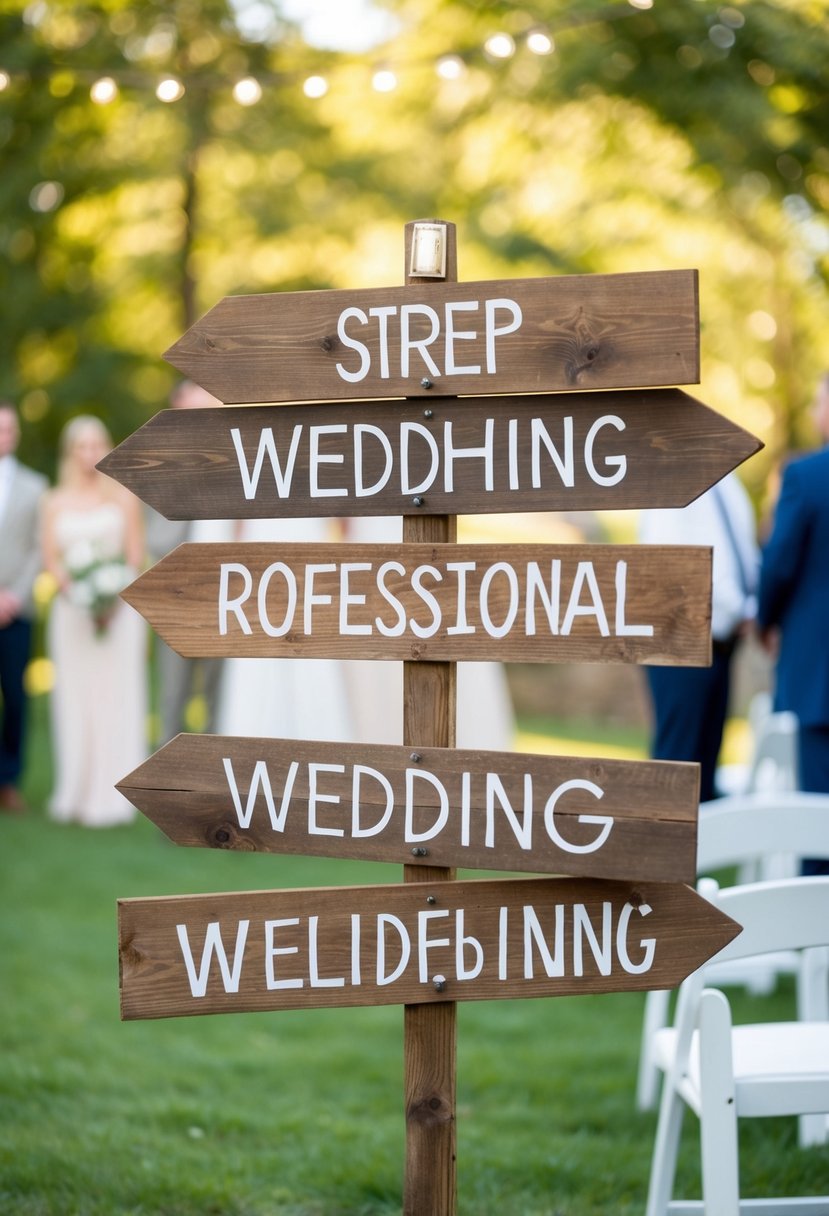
x: 428, y: 413
x: 431, y: 899
x: 439, y: 982
x: 426, y: 383
x: 418, y: 851
x: 418, y: 500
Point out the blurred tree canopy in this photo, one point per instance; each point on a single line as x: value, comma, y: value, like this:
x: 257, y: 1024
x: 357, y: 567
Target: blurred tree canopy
x: 572, y: 137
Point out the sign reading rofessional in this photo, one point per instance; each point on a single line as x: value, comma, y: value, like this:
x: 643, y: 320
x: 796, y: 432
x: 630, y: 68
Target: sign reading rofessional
x: 630, y: 819
x: 541, y: 452
x: 410, y: 944
x: 539, y: 603
x: 515, y: 335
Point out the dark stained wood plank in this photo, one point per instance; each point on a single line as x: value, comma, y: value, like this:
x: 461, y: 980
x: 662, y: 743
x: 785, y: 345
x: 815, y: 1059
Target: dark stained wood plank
x: 551, y: 603
x: 512, y: 335
x: 618, y: 450
x: 410, y: 942
x: 591, y: 817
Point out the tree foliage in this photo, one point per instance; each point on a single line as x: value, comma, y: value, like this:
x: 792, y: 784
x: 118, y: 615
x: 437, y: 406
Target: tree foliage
x: 690, y: 133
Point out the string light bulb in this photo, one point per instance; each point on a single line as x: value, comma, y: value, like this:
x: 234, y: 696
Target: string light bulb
x: 384, y: 81
x: 539, y: 42
x: 315, y: 86
x: 450, y: 67
x: 170, y: 89
x: 104, y: 91
x: 247, y: 91
x: 500, y: 46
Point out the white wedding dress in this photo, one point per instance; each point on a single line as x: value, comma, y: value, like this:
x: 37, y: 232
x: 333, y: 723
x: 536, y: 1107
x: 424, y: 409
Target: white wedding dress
x: 285, y: 698
x: 99, y: 699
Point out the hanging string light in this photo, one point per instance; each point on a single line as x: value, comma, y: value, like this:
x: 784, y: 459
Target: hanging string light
x: 499, y: 47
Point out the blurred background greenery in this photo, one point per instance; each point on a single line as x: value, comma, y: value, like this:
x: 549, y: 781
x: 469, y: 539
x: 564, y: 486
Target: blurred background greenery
x: 157, y: 156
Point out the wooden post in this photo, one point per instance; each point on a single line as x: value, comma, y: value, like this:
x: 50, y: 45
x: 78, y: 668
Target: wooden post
x: 430, y: 1031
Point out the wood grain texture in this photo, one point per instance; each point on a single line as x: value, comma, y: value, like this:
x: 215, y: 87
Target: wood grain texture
x: 576, y: 332
x: 619, y: 450
x: 197, y: 790
x: 336, y: 947
x: 472, y: 589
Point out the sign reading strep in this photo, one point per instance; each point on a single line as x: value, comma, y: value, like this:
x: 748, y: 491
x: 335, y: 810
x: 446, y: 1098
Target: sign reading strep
x: 515, y: 335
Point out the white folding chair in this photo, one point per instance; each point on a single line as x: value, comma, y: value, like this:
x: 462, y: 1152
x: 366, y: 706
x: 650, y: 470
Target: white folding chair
x: 738, y: 831
x: 772, y: 763
x: 725, y: 1072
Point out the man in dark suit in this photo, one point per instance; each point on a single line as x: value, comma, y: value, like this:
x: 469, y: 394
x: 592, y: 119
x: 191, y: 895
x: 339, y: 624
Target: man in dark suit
x: 20, y: 492
x: 794, y: 602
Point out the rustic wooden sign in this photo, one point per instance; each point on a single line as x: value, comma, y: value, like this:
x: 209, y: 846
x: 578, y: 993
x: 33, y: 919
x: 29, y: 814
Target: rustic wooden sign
x: 568, y: 452
x: 596, y: 818
x: 409, y: 944
x: 530, y: 603
x: 512, y: 335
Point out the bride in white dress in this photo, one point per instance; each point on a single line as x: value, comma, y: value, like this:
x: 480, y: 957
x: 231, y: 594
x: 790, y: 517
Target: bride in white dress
x: 93, y: 547
x: 285, y: 698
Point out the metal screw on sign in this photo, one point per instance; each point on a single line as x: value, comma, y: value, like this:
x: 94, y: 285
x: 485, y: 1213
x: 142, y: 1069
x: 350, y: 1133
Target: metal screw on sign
x: 439, y: 982
x: 419, y: 851
x: 418, y: 500
x: 426, y: 383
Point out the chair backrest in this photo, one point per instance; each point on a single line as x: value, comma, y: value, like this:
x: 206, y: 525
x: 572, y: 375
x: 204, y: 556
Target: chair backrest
x: 744, y: 827
x: 773, y: 763
x: 787, y: 914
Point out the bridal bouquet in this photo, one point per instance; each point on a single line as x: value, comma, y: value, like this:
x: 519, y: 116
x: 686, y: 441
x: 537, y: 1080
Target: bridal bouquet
x: 96, y: 578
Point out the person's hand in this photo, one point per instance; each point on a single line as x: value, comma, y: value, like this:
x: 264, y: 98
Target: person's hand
x: 770, y: 640
x: 10, y: 605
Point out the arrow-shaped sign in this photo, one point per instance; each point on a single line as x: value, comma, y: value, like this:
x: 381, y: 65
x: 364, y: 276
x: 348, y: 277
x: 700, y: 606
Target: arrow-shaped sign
x: 530, y: 603
x: 596, y: 818
x: 512, y: 335
x: 409, y: 944
x: 568, y: 452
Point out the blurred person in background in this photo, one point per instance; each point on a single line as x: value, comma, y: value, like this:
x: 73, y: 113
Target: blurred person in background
x: 179, y: 679
x: 21, y: 491
x: 690, y: 704
x: 93, y: 548
x: 793, y: 613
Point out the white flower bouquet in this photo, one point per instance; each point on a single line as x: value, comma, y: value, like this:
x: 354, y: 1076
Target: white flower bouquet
x: 96, y: 578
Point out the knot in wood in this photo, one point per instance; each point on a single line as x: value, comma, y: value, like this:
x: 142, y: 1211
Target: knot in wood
x: 431, y: 1111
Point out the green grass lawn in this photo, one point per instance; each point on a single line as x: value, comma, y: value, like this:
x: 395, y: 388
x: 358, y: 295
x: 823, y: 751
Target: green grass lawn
x: 293, y: 1114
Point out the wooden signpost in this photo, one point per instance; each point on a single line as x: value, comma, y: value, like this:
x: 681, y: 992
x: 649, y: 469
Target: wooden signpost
x: 562, y: 452
x: 625, y: 832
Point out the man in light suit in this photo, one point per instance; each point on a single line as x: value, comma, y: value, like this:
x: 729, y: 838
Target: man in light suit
x: 20, y: 492
x: 794, y: 602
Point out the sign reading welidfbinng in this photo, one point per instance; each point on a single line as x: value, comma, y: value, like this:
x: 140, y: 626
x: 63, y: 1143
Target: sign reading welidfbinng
x: 267, y: 950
